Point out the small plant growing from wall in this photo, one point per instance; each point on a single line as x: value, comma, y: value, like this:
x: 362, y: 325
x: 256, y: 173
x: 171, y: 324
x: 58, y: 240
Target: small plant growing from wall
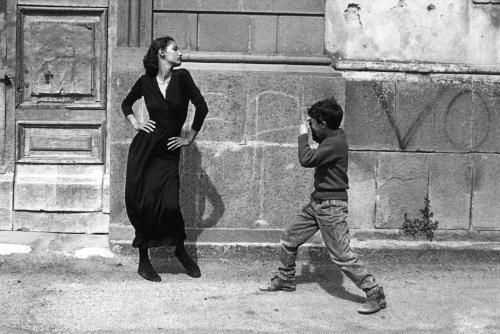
x: 421, y: 226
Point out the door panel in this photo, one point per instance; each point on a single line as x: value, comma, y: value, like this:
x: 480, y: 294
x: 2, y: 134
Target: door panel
x: 62, y: 57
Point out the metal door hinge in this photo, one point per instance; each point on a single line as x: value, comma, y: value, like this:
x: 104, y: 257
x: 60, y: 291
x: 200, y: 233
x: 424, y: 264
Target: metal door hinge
x: 6, y: 80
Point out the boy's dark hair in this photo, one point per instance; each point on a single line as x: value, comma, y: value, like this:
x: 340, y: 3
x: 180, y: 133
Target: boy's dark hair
x: 150, y: 60
x: 327, y: 110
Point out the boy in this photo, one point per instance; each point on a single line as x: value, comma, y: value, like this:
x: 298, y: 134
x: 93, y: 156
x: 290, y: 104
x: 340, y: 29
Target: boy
x: 327, y: 209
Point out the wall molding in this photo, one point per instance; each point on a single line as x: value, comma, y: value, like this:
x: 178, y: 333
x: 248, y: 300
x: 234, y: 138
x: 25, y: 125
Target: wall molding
x: 129, y: 59
x: 226, y: 57
x: 409, y: 67
x: 61, y: 3
x: 486, y: 2
x: 284, y: 7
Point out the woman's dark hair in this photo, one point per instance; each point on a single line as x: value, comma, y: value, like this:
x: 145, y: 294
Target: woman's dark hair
x: 150, y: 60
x: 328, y: 111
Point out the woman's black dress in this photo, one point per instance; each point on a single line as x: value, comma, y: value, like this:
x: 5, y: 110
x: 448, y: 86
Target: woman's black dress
x: 152, y: 184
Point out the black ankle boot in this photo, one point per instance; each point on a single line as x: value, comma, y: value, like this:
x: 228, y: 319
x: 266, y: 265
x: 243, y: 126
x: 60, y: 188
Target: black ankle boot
x: 191, y: 267
x: 147, y: 272
x: 145, y: 269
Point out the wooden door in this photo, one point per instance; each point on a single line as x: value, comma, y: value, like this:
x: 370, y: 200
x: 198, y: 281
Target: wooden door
x: 60, y: 117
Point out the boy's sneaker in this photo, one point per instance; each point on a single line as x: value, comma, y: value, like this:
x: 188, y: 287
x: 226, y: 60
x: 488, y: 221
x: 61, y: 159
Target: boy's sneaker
x: 278, y: 284
x: 375, y: 301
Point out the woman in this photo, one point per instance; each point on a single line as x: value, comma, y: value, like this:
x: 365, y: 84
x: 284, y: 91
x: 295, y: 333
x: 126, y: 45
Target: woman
x: 152, y: 184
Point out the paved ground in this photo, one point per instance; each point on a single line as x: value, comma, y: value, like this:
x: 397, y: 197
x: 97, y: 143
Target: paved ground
x: 43, y: 293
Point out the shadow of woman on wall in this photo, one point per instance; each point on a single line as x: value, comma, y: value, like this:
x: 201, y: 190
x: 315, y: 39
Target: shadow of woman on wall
x: 201, y: 205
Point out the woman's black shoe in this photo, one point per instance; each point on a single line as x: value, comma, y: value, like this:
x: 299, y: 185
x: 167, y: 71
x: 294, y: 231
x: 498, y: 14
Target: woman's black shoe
x: 191, y: 267
x: 148, y: 273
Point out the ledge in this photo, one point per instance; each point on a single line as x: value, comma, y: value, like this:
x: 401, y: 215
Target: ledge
x: 486, y: 2
x: 422, y: 68
x: 371, y: 252
x: 130, y: 59
x: 248, y: 235
x: 219, y: 57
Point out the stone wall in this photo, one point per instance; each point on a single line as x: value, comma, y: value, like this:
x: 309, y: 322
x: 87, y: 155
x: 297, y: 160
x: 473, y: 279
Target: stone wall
x: 419, y: 81
x: 246, y: 26
x: 420, y: 135
x: 429, y: 133
x: 259, y: 64
x: 240, y: 180
x: 410, y: 137
x: 439, y: 31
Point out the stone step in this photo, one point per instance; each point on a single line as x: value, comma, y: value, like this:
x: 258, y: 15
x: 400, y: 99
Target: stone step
x: 371, y: 251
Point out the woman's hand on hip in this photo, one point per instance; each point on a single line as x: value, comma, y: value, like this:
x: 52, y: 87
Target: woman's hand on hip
x: 177, y: 142
x: 148, y: 126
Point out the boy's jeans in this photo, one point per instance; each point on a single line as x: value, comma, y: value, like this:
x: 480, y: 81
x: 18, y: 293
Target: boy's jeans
x: 329, y: 216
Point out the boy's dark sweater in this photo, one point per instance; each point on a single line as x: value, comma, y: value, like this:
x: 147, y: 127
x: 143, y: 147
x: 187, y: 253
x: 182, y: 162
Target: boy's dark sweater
x: 330, y: 162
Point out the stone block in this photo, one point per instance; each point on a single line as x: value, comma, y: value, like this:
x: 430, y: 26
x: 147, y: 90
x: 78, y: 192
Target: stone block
x: 284, y: 6
x: 450, y: 183
x: 301, y: 35
x: 486, y: 192
x: 6, y: 219
x: 225, y: 94
x: 119, y: 153
x: 370, y: 114
x: 182, y: 27
x: 285, y: 186
x: 486, y: 118
x: 320, y: 87
x: 219, y: 185
x: 402, y: 184
x: 260, y: 6
x: 410, y: 31
x: 274, y: 112
x: 106, y: 192
x: 87, y: 222
x: 121, y: 85
x: 482, y: 33
x: 454, y: 118
x: 262, y: 34
x: 224, y: 33
x: 6, y: 197
x: 414, y: 120
x: 73, y: 188
x: 362, y: 191
x: 197, y: 5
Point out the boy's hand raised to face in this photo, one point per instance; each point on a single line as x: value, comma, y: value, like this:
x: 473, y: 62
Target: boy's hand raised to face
x: 304, y: 127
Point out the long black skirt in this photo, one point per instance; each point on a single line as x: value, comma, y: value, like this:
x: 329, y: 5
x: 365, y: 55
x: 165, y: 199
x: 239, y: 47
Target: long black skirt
x: 152, y: 191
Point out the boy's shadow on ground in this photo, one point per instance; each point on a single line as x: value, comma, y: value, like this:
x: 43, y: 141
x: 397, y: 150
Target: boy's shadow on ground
x: 328, y: 276
x: 196, y: 192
